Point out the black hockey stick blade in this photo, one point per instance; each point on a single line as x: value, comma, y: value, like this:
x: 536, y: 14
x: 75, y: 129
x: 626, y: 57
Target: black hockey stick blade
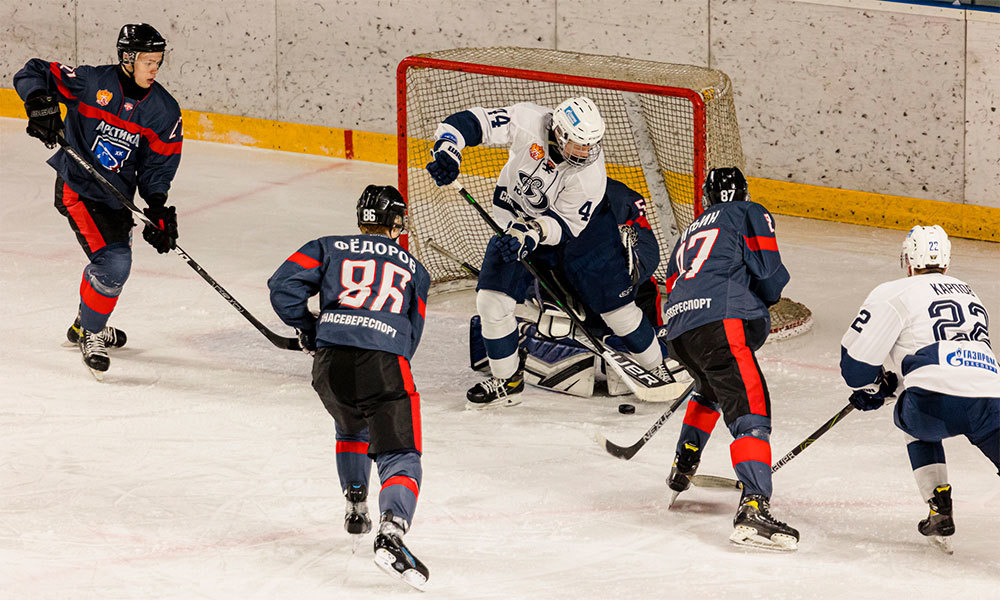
x: 627, y: 452
x: 285, y: 343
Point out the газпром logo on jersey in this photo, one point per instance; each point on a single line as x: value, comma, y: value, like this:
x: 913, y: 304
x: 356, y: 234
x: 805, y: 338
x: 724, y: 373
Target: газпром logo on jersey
x: 971, y: 358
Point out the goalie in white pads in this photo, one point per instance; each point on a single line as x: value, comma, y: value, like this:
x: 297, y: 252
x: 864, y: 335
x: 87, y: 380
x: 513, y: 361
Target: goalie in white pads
x: 932, y: 329
x: 549, y: 196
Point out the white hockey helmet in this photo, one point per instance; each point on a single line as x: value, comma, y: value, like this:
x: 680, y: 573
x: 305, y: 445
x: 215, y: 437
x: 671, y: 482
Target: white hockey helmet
x: 578, y: 129
x: 925, y: 247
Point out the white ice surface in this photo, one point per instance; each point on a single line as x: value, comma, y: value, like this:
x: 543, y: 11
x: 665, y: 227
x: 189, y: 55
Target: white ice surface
x: 203, y: 466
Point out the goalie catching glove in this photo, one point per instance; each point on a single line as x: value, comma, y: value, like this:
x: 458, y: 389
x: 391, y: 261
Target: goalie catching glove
x: 873, y: 396
x: 520, y: 239
x: 447, y: 161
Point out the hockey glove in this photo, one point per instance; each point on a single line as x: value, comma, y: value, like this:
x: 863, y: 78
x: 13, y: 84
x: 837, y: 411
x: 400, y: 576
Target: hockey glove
x: 447, y: 160
x: 874, y: 395
x: 307, y: 340
x: 44, y: 121
x: 163, y: 236
x: 519, y: 240
x: 630, y: 243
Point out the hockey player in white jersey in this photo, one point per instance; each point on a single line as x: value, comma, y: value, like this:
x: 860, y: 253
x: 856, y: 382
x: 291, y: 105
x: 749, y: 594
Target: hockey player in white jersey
x: 549, y: 197
x: 933, y: 330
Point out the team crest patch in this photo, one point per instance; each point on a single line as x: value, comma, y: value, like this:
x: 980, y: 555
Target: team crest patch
x: 128, y: 106
x: 536, y: 152
x: 111, y: 153
x: 103, y: 97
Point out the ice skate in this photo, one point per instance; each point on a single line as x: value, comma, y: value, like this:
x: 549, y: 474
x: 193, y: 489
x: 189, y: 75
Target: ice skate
x: 356, y: 520
x: 496, y: 392
x: 939, y: 525
x: 685, y: 466
x: 95, y: 354
x: 754, y: 526
x: 393, y: 557
x: 113, y: 338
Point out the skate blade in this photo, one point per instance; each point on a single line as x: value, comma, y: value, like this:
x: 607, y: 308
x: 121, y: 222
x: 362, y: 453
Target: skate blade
x: 747, y: 536
x: 385, y: 560
x: 491, y: 405
x: 942, y: 543
x: 98, y: 375
x: 673, y: 498
x: 356, y: 540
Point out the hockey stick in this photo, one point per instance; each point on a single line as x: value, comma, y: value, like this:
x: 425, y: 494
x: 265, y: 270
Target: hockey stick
x: 628, y: 452
x: 287, y: 343
x: 440, y: 250
x: 725, y: 482
x: 643, y: 383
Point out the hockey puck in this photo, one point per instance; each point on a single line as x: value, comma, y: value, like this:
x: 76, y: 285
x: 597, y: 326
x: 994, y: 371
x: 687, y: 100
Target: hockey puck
x: 626, y: 409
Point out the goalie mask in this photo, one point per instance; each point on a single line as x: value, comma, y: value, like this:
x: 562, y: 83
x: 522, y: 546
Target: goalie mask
x: 381, y: 205
x: 577, y: 129
x: 925, y: 247
x: 726, y: 184
x: 138, y: 37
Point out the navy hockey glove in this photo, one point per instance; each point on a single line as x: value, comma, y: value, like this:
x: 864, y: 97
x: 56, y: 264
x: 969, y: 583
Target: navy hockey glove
x: 447, y: 160
x: 519, y: 240
x: 44, y: 120
x: 307, y: 340
x: 874, y: 395
x: 163, y: 237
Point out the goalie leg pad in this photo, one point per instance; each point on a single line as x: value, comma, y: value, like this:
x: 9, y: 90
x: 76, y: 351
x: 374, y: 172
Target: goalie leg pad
x: 560, y: 365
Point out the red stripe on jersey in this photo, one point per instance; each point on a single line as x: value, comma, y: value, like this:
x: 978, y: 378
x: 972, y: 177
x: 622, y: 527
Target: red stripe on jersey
x: 82, y: 219
x: 761, y: 243
x: 750, y: 448
x: 748, y: 368
x: 669, y: 283
x: 54, y: 67
x: 155, y: 143
x: 352, y: 447
x: 304, y: 260
x: 700, y: 417
x: 642, y: 221
x: 659, y: 303
x: 404, y: 481
x: 421, y: 306
x: 411, y: 391
x: 95, y: 300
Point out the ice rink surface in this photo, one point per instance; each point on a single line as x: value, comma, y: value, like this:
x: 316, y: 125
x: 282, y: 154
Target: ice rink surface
x: 203, y: 466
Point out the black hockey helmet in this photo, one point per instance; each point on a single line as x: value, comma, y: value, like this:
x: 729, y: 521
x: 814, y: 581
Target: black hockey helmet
x: 381, y: 205
x: 725, y: 184
x: 138, y: 37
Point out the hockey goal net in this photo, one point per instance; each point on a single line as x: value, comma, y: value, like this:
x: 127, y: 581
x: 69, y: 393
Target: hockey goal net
x: 667, y: 125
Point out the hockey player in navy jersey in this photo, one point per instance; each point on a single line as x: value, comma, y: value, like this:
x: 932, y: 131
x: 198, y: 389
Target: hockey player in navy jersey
x: 372, y: 295
x: 933, y: 330
x: 550, y: 198
x: 129, y: 127
x: 724, y: 272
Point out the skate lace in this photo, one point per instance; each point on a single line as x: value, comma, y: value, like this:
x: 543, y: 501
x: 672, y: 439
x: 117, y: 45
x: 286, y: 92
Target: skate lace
x: 108, y: 335
x: 497, y: 385
x: 94, y: 344
x: 765, y: 509
x: 662, y: 372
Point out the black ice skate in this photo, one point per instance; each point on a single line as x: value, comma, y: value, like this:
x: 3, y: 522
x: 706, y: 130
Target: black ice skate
x: 113, y: 338
x: 685, y: 466
x: 356, y: 520
x: 939, y: 524
x: 754, y: 526
x: 496, y: 392
x: 95, y: 354
x: 393, y: 557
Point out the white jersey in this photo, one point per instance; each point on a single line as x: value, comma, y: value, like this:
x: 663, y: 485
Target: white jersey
x: 560, y: 195
x: 931, y: 330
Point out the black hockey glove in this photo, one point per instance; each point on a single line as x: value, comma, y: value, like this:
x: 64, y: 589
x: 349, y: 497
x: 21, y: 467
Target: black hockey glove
x: 447, y: 161
x: 874, y: 395
x: 519, y: 240
x: 163, y: 237
x: 307, y: 340
x: 44, y: 120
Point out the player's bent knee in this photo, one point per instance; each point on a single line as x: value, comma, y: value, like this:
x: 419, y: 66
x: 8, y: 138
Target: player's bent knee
x: 624, y: 320
x: 496, y: 311
x: 109, y: 268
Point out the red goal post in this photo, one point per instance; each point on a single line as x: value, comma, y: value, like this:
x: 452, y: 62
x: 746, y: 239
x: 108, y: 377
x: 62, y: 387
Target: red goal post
x: 667, y: 125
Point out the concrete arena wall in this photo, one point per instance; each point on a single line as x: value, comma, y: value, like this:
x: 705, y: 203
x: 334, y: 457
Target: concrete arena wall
x: 846, y: 106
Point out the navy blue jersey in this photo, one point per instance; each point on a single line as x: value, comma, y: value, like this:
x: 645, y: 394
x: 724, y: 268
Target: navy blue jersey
x: 371, y: 292
x: 629, y: 208
x: 134, y: 143
x: 725, y: 265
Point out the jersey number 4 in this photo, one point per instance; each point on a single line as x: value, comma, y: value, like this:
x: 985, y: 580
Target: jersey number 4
x: 707, y: 239
x: 357, y: 277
